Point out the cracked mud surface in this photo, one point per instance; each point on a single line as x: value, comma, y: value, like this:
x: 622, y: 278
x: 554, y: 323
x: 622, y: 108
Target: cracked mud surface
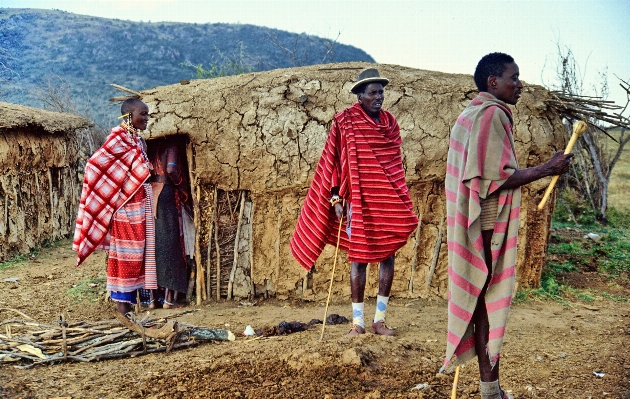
x: 551, y: 351
x: 264, y: 132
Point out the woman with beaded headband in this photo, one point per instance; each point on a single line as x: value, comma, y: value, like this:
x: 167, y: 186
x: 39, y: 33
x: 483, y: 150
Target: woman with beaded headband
x: 115, y: 211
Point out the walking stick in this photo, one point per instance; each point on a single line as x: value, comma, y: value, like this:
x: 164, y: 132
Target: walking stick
x: 578, y: 128
x: 454, y: 391
x: 332, y: 277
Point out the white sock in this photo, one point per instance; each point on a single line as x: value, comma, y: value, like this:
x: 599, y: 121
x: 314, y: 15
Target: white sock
x: 381, y: 308
x: 357, y: 314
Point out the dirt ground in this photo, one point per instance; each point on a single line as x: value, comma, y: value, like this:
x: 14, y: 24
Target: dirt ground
x: 551, y: 351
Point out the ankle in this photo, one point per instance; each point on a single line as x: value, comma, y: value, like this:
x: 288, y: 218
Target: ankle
x: 490, y: 390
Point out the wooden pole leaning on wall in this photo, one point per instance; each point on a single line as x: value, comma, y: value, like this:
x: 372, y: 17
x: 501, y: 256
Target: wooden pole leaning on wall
x: 218, y: 249
x: 252, y: 288
x: 414, y: 263
x: 194, y: 193
x: 236, y: 242
x: 210, y: 240
x: 436, y: 252
x: 198, y: 247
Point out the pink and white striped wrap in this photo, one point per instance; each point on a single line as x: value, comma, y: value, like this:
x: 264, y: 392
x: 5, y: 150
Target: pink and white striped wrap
x: 481, y: 158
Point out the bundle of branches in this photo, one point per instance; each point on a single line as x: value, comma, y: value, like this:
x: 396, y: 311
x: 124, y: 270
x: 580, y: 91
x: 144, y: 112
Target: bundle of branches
x: 30, y: 343
x: 590, y: 174
x: 589, y: 109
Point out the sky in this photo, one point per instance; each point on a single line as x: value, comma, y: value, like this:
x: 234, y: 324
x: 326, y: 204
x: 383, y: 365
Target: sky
x: 442, y: 35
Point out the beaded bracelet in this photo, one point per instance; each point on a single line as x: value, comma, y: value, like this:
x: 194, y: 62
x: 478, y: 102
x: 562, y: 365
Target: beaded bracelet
x: 335, y: 199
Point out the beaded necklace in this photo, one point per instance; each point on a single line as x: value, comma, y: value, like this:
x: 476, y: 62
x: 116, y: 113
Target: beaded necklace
x: 132, y: 132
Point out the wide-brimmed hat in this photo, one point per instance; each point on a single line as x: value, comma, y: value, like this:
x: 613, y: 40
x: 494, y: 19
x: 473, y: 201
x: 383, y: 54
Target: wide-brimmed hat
x: 369, y: 75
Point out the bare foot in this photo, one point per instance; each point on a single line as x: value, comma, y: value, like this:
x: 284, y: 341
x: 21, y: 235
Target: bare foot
x: 176, y: 305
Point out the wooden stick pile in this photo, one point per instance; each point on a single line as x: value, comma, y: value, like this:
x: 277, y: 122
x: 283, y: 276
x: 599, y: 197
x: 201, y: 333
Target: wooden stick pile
x: 30, y: 343
x: 574, y: 107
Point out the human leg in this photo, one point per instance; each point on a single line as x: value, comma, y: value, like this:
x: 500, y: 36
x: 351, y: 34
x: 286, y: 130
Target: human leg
x: 123, y: 307
x: 170, y: 300
x: 385, y: 279
x: 489, y: 375
x: 357, y: 288
x: 124, y: 300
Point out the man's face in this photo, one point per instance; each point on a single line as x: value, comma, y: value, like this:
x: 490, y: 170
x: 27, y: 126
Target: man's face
x: 140, y: 116
x: 372, y: 99
x: 506, y: 87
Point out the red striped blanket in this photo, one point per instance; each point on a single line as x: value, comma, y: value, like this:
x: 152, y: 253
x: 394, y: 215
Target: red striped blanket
x: 481, y: 158
x: 362, y: 157
x: 112, y: 175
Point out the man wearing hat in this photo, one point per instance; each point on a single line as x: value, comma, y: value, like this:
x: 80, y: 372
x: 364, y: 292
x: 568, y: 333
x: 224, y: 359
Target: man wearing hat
x: 359, y: 181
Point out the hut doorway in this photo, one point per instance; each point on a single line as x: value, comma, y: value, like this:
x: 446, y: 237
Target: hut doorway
x: 175, y: 235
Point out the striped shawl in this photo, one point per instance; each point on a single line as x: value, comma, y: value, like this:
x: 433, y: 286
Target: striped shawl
x: 362, y: 157
x: 481, y: 158
x: 112, y: 175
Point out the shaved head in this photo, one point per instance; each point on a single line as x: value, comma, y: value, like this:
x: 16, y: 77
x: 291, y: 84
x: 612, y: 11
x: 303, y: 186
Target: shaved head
x: 130, y: 104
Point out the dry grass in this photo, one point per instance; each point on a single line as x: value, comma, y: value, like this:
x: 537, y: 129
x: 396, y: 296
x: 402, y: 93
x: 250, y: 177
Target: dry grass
x: 619, y: 189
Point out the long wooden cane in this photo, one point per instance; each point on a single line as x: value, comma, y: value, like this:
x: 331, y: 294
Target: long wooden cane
x: 454, y: 391
x: 332, y: 276
x: 578, y: 128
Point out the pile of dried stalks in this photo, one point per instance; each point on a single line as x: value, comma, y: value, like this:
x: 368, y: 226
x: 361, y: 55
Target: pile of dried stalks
x: 589, y: 109
x: 31, y: 343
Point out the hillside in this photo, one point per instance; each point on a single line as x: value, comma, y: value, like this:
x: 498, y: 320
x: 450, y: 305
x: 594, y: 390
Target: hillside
x: 88, y: 53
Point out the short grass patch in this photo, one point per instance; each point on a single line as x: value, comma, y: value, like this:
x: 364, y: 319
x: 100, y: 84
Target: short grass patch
x: 90, y: 290
x: 571, y: 256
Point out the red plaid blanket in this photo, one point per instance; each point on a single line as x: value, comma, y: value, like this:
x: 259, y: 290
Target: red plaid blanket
x: 112, y: 175
x: 362, y: 157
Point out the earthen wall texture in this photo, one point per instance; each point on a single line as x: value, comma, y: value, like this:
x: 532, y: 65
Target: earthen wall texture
x: 39, y: 188
x: 264, y: 132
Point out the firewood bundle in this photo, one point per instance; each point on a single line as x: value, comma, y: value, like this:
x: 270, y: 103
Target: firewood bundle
x: 589, y: 109
x: 29, y: 343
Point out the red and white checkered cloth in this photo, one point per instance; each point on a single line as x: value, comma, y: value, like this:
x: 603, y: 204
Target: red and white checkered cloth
x: 112, y: 175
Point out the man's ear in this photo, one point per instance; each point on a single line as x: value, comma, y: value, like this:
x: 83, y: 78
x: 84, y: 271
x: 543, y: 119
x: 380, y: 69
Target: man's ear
x: 492, y: 82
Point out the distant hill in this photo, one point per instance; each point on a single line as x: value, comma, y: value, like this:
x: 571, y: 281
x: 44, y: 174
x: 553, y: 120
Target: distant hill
x: 88, y: 53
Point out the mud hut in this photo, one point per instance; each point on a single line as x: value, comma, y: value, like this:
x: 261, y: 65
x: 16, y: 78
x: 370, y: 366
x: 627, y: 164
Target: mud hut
x: 253, y: 141
x: 39, y: 181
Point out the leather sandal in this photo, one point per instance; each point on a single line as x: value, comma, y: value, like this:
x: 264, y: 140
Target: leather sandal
x: 381, y: 328
x: 355, y: 331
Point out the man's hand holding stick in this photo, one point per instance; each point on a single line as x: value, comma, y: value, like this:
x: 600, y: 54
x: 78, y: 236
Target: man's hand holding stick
x: 578, y: 128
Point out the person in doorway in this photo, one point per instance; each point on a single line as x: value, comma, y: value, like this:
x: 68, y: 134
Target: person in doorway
x: 171, y: 196
x: 483, y: 192
x: 359, y: 180
x: 115, y: 209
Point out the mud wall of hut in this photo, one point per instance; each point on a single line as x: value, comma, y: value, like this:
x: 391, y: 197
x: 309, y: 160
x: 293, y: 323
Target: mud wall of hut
x: 262, y: 134
x: 39, y: 188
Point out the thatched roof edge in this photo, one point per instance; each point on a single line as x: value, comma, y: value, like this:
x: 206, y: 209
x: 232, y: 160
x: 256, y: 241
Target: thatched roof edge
x: 14, y: 116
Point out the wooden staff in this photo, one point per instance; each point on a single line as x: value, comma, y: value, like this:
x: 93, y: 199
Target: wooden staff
x: 332, y: 276
x: 578, y: 128
x: 454, y: 390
